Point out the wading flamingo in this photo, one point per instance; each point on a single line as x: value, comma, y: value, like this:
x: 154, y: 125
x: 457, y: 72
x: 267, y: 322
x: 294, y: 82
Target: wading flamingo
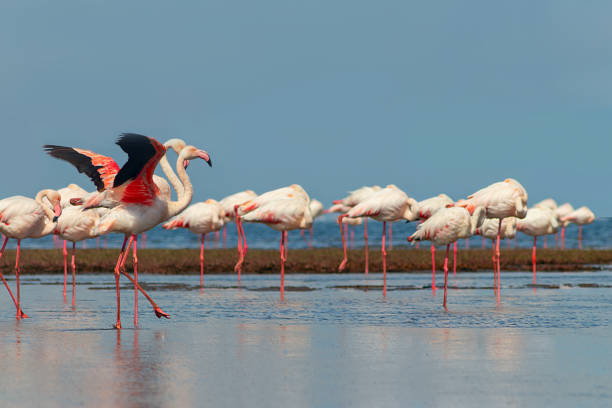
x: 201, y: 219
x: 23, y: 217
x: 580, y: 217
x: 447, y: 226
x: 562, y: 211
x: 426, y: 208
x: 538, y: 221
x: 387, y: 205
x: 140, y: 207
x: 506, y: 198
x: 283, y: 210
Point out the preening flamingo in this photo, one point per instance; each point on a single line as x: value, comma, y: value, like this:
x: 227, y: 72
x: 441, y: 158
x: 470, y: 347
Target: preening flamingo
x: 254, y: 203
x: 562, y: 211
x: 140, y: 207
x: 490, y: 229
x: 229, y: 203
x: 580, y: 217
x: 201, y: 219
x: 283, y: 210
x: 387, y: 205
x: 23, y: 217
x: 351, y: 200
x: 550, y: 204
x: 447, y: 226
x: 506, y: 198
x: 316, y: 210
x: 538, y: 221
x: 426, y: 208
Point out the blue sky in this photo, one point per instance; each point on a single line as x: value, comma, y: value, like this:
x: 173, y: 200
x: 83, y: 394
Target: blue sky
x: 432, y: 96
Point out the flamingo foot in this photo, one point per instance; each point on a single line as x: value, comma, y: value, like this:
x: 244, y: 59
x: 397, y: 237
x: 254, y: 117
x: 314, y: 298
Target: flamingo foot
x: 117, y: 325
x: 342, y: 265
x: 22, y: 315
x: 160, y: 313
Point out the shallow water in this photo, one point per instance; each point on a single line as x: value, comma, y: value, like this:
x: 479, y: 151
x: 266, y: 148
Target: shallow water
x: 334, y: 341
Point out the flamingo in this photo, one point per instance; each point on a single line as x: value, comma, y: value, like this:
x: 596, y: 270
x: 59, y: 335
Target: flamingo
x: 200, y: 218
x: 254, y: 203
x: 580, y: 217
x: 446, y: 226
x: 316, y: 210
x: 283, y: 209
x: 23, y: 217
x: 387, y: 205
x: 139, y: 207
x: 426, y: 208
x: 538, y: 221
x: 562, y: 211
x: 229, y: 203
x: 351, y: 200
x: 550, y: 204
x: 506, y: 198
x: 490, y: 228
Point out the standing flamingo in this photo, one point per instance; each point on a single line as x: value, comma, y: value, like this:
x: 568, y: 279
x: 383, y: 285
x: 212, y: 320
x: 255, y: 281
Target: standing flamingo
x: 447, y: 226
x: 506, y: 198
x: 201, y: 219
x: 283, y: 210
x: 427, y: 208
x: 351, y: 200
x: 140, y: 207
x: 550, y: 204
x: 580, y: 217
x: 316, y: 210
x: 229, y: 203
x: 254, y: 203
x: 22, y: 217
x: 562, y: 211
x: 387, y: 205
x: 538, y: 221
x: 490, y: 228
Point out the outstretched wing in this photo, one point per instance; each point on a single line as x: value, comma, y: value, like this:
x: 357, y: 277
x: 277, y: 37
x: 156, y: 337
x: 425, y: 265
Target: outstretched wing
x: 134, y: 181
x: 100, y: 169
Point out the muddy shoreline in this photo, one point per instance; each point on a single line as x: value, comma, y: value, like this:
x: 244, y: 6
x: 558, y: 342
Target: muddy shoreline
x: 326, y: 260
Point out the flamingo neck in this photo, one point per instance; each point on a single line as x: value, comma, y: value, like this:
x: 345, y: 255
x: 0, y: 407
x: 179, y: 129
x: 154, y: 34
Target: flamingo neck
x: 50, y: 225
x: 184, y: 197
x: 171, y: 176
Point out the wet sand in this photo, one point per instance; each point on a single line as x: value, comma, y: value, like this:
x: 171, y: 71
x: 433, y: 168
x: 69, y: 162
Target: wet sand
x: 220, y: 261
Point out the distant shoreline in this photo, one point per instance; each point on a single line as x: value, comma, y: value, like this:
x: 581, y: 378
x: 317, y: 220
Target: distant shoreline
x: 324, y: 260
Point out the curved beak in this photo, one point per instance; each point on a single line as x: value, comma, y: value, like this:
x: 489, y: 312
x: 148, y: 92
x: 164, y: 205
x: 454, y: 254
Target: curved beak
x: 57, y: 211
x: 204, y: 155
x: 185, y: 164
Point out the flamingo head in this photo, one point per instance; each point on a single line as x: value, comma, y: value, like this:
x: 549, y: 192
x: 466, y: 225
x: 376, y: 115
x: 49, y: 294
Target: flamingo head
x: 55, y: 199
x: 191, y: 153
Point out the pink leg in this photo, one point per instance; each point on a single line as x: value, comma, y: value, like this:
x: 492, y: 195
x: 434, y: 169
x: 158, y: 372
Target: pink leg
x: 365, y: 238
x: 303, y: 235
x: 494, y: 272
x: 73, y: 266
x: 84, y: 244
x: 497, y: 254
x: 467, y: 243
x: 202, y: 241
x: 580, y: 237
x: 283, y: 257
x: 135, y: 261
x: 482, y: 243
x: 533, y: 259
x: 445, y: 275
x: 342, y: 231
x: 384, y: 257
x: 144, y: 239
x: 352, y: 237
x: 390, y: 236
x: 238, y: 267
x: 433, y: 268
x: 98, y: 242
x: 224, y: 236
x: 65, y: 269
x: 19, y: 311
x: 117, y: 272
x: 217, y: 239
x: 20, y: 314
x: 562, y: 237
x: 557, y: 239
x: 455, y: 259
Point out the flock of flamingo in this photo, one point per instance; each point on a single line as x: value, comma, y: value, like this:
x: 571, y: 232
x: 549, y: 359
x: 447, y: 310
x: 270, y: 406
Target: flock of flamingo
x: 131, y: 200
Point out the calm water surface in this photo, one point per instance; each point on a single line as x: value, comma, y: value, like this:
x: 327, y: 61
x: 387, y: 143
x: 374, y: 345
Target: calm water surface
x: 333, y: 342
